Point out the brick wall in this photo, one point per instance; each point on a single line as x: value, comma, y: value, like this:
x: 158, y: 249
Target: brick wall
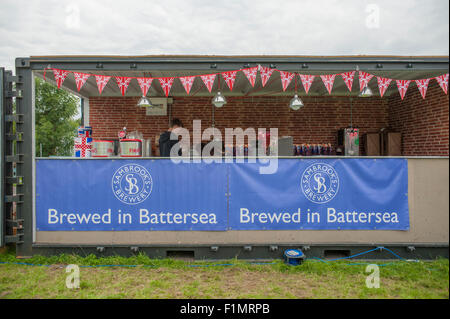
x: 108, y: 115
x: 424, y: 124
x: 317, y: 122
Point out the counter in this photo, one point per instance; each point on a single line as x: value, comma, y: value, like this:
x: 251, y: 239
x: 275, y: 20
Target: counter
x: 203, y: 186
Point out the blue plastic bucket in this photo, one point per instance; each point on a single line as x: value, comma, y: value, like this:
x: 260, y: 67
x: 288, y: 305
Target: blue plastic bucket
x: 293, y: 257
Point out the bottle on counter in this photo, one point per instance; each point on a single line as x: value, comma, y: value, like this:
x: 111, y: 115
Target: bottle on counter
x: 314, y: 149
x: 123, y: 133
x: 308, y: 149
x: 319, y: 149
x: 325, y: 149
x: 330, y: 149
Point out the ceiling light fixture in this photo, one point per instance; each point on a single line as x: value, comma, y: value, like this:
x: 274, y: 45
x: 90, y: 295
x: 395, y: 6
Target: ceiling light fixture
x: 296, y: 103
x: 144, y: 102
x: 366, y: 92
x: 219, y: 99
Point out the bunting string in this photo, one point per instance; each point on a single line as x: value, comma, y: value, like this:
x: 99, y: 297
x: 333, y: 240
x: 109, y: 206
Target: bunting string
x: 251, y: 74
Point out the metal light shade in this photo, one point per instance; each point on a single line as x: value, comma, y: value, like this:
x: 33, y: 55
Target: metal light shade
x: 296, y: 103
x: 144, y: 102
x: 219, y: 100
x: 366, y: 92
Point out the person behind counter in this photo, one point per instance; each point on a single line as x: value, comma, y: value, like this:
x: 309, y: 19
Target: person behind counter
x: 165, y: 143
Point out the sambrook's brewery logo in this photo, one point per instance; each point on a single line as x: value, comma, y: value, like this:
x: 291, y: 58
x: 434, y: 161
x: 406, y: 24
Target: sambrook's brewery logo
x: 320, y: 183
x: 132, y: 184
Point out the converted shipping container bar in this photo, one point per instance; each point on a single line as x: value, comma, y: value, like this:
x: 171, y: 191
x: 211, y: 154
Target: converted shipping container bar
x: 427, y: 176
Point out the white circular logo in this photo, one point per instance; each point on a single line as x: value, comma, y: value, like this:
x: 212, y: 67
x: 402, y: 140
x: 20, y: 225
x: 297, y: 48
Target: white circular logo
x: 320, y: 183
x: 132, y: 184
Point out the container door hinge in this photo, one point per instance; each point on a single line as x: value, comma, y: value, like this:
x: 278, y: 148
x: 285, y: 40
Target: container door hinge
x: 12, y: 78
x: 14, y: 158
x: 18, y: 118
x: 14, y: 137
x: 17, y: 239
x: 15, y: 223
x: 14, y: 198
x: 14, y: 229
x: 10, y: 94
x: 18, y: 180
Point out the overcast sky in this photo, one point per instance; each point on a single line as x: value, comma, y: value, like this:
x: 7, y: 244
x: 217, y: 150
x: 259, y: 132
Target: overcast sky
x: 300, y: 27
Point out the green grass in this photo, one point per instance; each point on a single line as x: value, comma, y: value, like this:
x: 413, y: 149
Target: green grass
x: 167, y: 278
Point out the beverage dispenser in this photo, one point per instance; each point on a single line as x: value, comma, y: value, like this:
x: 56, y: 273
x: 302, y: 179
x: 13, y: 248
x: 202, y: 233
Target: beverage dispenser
x: 348, y: 138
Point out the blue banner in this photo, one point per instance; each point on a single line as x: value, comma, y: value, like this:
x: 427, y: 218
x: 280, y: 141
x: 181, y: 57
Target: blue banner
x: 131, y: 195
x: 105, y: 195
x: 320, y: 194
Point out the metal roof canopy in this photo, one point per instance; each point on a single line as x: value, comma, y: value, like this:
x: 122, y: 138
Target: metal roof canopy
x: 396, y: 67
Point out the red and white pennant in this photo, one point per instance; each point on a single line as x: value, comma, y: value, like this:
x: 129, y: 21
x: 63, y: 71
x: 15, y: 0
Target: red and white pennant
x: 122, y: 83
x: 364, y: 79
x: 229, y: 78
x: 286, y: 78
x: 383, y: 84
x: 422, y: 85
x: 250, y: 73
x: 187, y: 82
x: 144, y: 84
x: 208, y: 79
x: 307, y: 80
x: 101, y: 80
x: 443, y: 82
x: 265, y: 74
x: 402, y: 87
x: 328, y: 80
x: 166, y: 84
x: 348, y: 79
x: 60, y: 76
x: 80, y: 79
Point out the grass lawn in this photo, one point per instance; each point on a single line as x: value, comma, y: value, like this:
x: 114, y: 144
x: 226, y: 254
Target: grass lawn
x: 165, y: 278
